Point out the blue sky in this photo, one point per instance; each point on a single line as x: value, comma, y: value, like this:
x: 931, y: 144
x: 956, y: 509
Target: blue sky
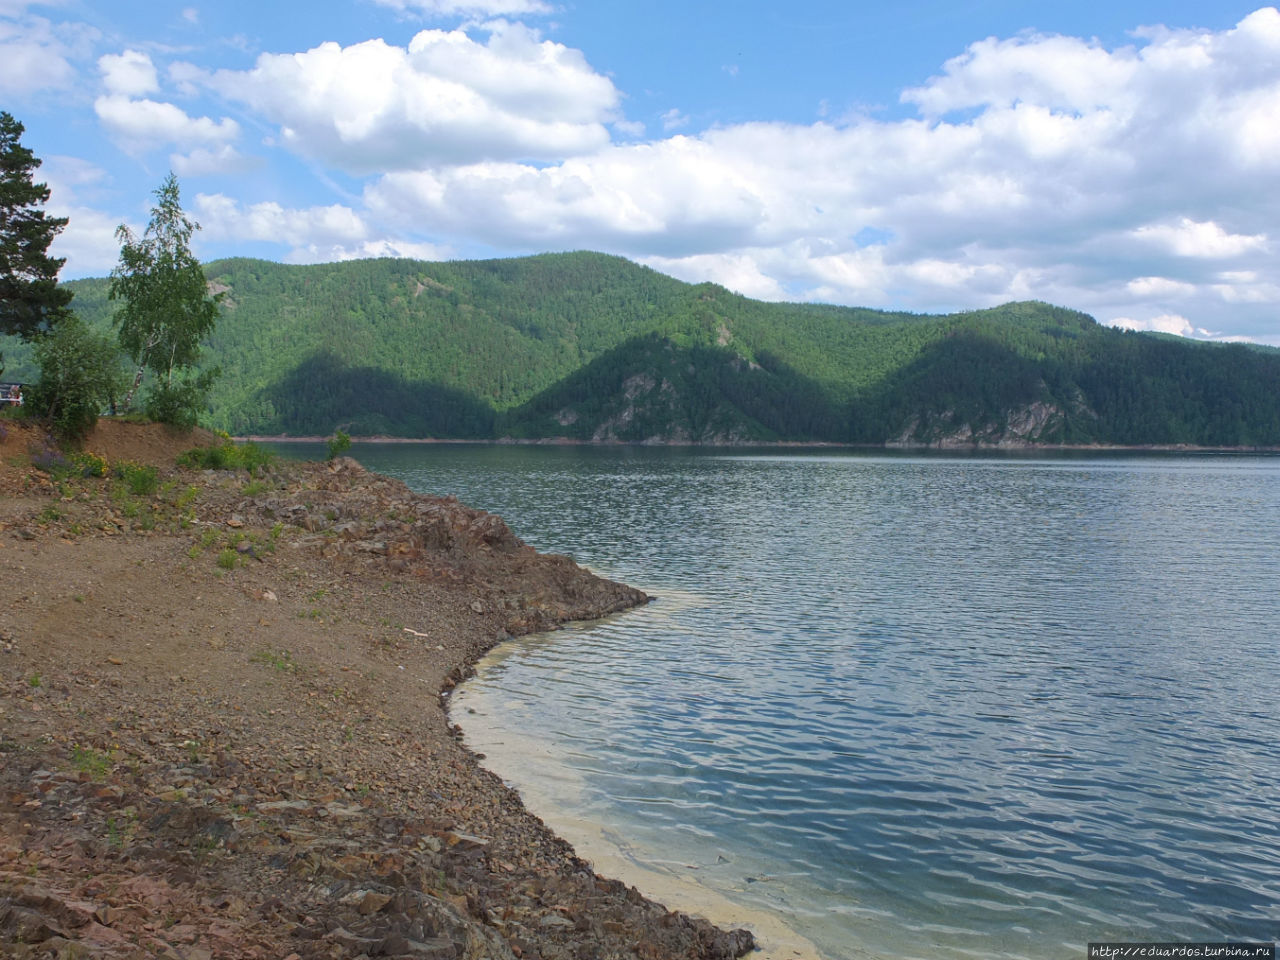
x: 1120, y: 158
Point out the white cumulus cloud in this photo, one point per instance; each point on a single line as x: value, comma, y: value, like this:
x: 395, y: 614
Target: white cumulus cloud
x: 673, y: 119
x: 139, y: 125
x: 1187, y: 238
x: 37, y: 54
x: 1165, y: 323
x: 129, y: 74
x: 225, y: 218
x: 445, y: 98
x: 205, y: 161
x: 88, y: 242
x: 1147, y: 287
x: 317, y: 253
x: 312, y: 234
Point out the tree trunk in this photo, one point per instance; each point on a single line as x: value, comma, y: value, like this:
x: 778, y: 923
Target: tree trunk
x: 127, y: 403
x: 142, y: 368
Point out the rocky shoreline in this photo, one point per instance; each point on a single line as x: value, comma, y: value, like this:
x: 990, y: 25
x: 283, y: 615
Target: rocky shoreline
x: 223, y: 731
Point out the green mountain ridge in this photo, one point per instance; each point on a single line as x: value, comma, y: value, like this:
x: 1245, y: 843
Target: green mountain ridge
x: 593, y: 347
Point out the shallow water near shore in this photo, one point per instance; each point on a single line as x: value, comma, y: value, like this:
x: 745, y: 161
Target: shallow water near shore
x: 935, y: 707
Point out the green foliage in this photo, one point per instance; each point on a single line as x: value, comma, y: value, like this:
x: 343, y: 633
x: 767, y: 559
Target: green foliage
x: 167, y: 311
x: 79, y: 376
x: 323, y: 390
x: 178, y: 402
x: 141, y: 480
x: 31, y: 302
x: 552, y: 345
x: 228, y: 559
x: 228, y: 456
x: 90, y: 761
x: 282, y: 661
x: 339, y: 444
x: 89, y: 464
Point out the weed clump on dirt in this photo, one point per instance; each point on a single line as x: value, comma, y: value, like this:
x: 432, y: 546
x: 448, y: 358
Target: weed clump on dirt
x: 228, y: 456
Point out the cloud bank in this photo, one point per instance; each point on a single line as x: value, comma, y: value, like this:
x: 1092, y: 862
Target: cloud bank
x: 444, y: 99
x: 1134, y: 182
x: 1137, y: 182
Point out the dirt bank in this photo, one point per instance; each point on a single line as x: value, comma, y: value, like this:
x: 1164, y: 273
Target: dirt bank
x: 222, y: 724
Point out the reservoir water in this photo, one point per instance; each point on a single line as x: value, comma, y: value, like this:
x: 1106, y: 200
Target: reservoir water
x: 917, y: 706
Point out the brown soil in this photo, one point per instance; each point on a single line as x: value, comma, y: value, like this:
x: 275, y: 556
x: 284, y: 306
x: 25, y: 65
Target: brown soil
x: 223, y: 729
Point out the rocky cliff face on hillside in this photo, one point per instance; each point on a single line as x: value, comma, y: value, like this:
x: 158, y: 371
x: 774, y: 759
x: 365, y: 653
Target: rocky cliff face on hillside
x: 1024, y: 426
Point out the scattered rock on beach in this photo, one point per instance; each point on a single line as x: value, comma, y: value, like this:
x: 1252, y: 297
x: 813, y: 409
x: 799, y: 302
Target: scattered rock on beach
x: 245, y: 761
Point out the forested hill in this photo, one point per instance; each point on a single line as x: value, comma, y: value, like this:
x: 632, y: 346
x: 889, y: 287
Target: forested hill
x: 590, y: 346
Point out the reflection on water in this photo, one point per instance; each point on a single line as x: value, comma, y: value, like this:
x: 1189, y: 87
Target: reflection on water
x: 923, y: 707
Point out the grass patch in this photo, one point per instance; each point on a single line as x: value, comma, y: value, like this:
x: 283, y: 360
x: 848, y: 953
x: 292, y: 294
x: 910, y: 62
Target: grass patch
x: 228, y: 456
x: 90, y: 761
x: 187, y: 497
x: 282, y: 661
x: 139, y: 479
x: 228, y: 559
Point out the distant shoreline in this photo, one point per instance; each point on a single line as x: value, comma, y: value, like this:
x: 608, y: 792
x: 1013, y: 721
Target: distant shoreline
x: 789, y: 444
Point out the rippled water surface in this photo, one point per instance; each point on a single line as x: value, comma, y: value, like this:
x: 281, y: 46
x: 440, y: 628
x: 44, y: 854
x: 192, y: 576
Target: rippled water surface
x: 930, y: 707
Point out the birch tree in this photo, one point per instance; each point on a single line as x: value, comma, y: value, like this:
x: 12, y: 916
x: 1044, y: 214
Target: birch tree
x: 167, y: 311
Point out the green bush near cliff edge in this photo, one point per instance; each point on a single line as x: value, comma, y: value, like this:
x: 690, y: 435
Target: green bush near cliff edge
x: 228, y: 456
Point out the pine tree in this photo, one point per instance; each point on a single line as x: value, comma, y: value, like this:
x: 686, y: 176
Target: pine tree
x: 31, y: 301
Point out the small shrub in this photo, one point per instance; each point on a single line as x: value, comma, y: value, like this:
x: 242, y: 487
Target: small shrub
x: 255, y: 458
x: 339, y: 444
x: 79, y: 374
x: 228, y: 456
x: 178, y: 403
x: 90, y: 761
x: 52, y: 462
x: 49, y: 514
x: 89, y: 464
x: 141, y: 480
x: 228, y: 559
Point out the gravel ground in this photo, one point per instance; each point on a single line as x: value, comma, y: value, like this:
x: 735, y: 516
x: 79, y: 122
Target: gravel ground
x: 223, y: 730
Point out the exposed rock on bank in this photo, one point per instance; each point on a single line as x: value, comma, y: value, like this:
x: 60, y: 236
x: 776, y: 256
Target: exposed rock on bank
x: 222, y: 732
